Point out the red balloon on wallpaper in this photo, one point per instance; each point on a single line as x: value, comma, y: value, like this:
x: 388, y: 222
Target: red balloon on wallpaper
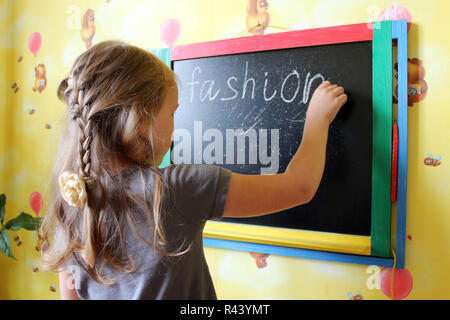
x: 403, y: 283
x: 34, y: 43
x: 36, y: 202
x: 170, y: 31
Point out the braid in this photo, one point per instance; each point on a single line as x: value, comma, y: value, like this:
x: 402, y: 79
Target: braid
x: 74, y: 96
x: 79, y: 111
x: 84, y: 142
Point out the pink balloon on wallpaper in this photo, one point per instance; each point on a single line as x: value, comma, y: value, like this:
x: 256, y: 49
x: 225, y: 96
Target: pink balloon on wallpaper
x: 34, y: 43
x: 36, y: 202
x: 403, y: 283
x: 396, y: 12
x: 170, y: 31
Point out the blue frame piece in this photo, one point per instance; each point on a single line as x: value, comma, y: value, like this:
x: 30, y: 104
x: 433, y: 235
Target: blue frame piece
x: 297, y: 252
x: 399, y: 32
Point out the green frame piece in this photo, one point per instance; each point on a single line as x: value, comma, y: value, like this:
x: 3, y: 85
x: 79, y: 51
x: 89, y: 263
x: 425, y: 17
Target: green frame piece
x: 382, y: 139
x: 164, y: 55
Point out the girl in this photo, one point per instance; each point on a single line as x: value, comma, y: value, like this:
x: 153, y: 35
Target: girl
x: 119, y: 227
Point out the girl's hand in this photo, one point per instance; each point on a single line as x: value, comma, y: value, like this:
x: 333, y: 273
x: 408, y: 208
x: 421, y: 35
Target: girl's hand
x: 325, y: 103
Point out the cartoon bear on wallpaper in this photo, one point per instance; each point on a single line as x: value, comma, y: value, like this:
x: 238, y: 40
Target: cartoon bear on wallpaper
x: 257, y: 18
x: 88, y: 28
x: 417, y: 86
x: 40, y: 81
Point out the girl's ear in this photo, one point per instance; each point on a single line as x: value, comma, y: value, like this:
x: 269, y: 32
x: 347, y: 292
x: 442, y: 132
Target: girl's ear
x: 62, y: 88
x: 144, y: 128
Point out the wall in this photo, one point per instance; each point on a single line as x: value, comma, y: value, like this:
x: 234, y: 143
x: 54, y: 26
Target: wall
x: 30, y: 127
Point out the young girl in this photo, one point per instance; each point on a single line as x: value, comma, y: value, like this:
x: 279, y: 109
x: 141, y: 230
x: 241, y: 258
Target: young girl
x: 119, y: 227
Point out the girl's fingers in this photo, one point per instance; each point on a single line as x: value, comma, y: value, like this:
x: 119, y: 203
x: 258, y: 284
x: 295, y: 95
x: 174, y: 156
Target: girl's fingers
x: 325, y: 84
x: 332, y: 87
x: 342, y: 99
x: 337, y: 91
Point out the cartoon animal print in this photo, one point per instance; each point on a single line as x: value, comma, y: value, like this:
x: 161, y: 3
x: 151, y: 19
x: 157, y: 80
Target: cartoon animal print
x: 257, y: 18
x: 260, y: 259
x: 431, y: 161
x: 41, y: 243
x: 17, y: 240
x: 40, y: 81
x: 14, y: 87
x: 357, y: 296
x: 417, y: 86
x: 88, y: 28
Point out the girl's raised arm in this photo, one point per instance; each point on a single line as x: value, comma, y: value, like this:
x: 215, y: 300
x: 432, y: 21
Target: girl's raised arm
x: 256, y: 195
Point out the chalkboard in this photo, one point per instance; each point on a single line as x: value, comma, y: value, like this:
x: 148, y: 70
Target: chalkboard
x: 246, y: 112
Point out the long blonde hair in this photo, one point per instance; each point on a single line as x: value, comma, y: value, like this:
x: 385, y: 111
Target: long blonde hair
x: 112, y: 89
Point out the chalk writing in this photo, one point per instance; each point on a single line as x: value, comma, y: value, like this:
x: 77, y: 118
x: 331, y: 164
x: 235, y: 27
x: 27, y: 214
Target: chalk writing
x: 248, y: 86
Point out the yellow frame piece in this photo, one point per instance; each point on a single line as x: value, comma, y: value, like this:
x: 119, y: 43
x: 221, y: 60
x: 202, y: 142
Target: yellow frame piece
x: 313, y: 240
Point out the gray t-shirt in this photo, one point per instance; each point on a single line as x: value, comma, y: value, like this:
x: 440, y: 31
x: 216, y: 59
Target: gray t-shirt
x: 196, y: 193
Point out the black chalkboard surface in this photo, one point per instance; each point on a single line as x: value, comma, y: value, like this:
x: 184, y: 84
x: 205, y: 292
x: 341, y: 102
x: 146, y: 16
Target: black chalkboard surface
x: 246, y: 112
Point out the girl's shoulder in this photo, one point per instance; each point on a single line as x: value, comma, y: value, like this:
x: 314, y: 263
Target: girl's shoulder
x: 181, y: 178
x: 193, y: 174
x: 178, y: 170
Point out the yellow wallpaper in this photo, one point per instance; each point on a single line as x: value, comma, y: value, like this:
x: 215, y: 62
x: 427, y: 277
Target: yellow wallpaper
x: 29, y: 127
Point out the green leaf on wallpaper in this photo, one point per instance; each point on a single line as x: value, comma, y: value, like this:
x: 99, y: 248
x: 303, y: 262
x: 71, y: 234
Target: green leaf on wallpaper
x: 5, y: 244
x: 2, y: 207
x: 23, y: 220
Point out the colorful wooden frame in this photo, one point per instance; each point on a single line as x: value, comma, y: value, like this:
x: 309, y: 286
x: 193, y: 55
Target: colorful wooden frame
x: 373, y: 250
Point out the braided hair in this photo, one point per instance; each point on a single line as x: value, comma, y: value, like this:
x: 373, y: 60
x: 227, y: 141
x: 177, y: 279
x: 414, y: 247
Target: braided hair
x: 79, y: 111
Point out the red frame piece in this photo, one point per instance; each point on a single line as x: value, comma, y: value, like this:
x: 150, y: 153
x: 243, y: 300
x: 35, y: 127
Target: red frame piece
x: 282, y: 40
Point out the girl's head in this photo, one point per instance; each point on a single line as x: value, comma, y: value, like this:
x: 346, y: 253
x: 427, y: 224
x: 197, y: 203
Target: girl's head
x: 120, y: 101
x: 118, y: 88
